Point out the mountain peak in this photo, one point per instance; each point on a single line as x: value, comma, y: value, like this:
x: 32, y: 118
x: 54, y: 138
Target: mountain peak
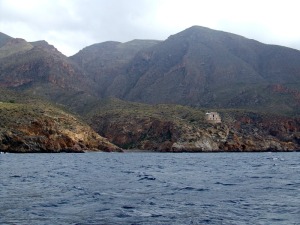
x: 13, y: 46
x: 201, y: 29
x: 198, y: 28
x: 198, y: 33
x: 40, y: 43
x: 45, y: 45
x: 15, y: 41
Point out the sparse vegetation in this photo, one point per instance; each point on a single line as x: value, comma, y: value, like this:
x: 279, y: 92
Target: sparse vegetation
x: 41, y: 127
x: 48, y: 95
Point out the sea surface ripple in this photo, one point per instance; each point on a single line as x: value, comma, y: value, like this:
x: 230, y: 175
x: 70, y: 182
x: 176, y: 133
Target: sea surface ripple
x: 150, y: 188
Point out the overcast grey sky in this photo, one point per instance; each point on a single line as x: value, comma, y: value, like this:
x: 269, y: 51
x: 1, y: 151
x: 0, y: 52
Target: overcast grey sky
x: 71, y: 25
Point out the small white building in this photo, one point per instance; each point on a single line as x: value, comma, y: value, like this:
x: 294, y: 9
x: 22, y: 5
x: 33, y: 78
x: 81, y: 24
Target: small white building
x: 213, y: 117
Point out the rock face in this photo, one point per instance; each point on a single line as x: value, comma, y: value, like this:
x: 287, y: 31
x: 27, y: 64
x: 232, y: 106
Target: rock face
x: 170, y: 128
x: 144, y: 133
x: 26, y: 66
x: 256, y: 132
x: 43, y: 128
x: 153, y: 134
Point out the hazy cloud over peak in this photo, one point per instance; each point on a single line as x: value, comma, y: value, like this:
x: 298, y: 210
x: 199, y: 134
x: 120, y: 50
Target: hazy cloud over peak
x: 71, y: 25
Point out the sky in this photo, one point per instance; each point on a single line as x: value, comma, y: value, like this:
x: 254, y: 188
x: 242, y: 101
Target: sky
x: 71, y: 25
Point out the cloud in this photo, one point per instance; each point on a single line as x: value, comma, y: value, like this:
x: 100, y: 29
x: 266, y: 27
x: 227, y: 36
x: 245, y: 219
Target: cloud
x: 71, y: 25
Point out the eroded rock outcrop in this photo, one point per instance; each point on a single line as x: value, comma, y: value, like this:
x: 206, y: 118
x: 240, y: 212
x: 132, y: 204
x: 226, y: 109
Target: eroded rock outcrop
x: 40, y: 128
x: 239, y: 131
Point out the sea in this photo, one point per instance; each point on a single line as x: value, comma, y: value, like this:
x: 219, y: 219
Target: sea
x: 150, y: 188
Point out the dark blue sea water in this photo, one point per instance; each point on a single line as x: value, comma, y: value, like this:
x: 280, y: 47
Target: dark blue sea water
x: 150, y: 188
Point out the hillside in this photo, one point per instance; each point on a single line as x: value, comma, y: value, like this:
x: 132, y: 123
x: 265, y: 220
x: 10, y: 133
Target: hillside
x: 179, y: 128
x: 103, y: 62
x: 201, y: 67
x: 197, y: 67
x: 35, y: 126
x: 166, y: 89
x: 28, y: 66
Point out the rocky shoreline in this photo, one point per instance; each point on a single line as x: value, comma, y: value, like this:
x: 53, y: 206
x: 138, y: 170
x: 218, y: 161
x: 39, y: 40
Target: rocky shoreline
x: 38, y: 128
x: 238, y: 132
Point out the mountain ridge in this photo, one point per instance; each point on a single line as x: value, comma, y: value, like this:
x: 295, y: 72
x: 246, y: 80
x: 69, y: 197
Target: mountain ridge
x: 136, y: 93
x: 104, y: 61
x: 192, y: 66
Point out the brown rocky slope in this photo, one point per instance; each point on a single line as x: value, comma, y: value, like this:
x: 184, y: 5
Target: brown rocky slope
x: 40, y: 127
x: 171, y: 128
x: 30, y: 65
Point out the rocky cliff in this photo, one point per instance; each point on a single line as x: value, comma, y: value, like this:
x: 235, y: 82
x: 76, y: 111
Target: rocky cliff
x: 40, y: 127
x: 171, y: 128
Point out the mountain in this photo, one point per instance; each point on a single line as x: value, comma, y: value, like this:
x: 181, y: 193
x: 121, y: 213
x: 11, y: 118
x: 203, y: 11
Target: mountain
x: 32, y: 65
x: 33, y: 77
x: 199, y: 67
x: 44, y: 95
x: 103, y: 62
x: 14, y: 46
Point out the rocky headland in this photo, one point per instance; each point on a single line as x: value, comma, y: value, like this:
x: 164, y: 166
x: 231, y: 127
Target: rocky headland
x: 43, y: 128
x: 173, y: 128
